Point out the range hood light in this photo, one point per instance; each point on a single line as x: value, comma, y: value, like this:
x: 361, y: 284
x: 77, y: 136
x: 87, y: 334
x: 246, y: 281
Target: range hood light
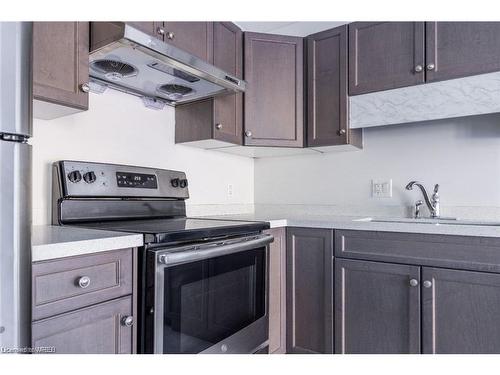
x: 153, y: 103
x: 97, y: 87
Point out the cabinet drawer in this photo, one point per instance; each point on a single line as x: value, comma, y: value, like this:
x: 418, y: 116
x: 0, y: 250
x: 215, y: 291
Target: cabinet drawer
x: 93, y: 330
x: 68, y: 284
x: 461, y: 252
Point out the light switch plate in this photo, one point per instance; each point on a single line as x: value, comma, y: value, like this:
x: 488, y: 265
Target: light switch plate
x: 382, y: 188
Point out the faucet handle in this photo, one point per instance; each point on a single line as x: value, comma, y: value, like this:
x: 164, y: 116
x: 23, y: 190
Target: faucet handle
x: 436, y: 188
x: 416, y: 213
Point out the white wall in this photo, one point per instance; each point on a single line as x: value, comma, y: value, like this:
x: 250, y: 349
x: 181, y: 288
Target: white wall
x: 462, y: 155
x: 119, y: 129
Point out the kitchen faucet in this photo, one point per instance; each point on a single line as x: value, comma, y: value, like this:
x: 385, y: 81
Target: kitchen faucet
x: 433, y: 202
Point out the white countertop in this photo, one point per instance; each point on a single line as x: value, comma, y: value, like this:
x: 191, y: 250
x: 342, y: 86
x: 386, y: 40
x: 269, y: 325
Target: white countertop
x: 363, y: 223
x: 51, y: 242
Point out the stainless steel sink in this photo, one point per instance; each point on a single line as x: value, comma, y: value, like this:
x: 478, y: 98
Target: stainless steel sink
x: 440, y: 221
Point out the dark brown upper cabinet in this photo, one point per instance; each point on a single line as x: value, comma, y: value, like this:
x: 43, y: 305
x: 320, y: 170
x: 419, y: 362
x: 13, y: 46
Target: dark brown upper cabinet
x: 228, y: 56
x: 309, y: 290
x: 60, y: 68
x: 459, y: 49
x: 327, y: 100
x: 219, y: 118
x: 385, y: 55
x: 274, y: 98
x: 193, y: 37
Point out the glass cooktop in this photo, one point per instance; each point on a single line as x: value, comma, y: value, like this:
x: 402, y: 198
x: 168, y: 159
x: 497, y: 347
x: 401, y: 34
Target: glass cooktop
x: 180, y: 229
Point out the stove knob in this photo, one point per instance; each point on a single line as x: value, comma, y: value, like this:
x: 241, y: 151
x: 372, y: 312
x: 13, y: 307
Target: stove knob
x: 175, y: 182
x: 75, y: 176
x: 183, y: 183
x: 89, y: 177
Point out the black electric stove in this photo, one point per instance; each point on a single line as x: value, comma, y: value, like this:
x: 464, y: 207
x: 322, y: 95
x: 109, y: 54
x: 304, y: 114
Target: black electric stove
x: 202, y: 283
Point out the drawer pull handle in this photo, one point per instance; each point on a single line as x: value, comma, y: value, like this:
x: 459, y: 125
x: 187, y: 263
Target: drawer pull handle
x: 83, y: 282
x: 427, y: 284
x: 413, y: 282
x: 128, y: 321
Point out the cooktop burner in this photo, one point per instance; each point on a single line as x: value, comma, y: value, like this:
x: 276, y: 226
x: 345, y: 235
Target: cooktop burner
x: 179, y: 229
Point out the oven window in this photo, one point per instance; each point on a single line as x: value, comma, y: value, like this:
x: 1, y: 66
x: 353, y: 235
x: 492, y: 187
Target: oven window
x: 208, y: 301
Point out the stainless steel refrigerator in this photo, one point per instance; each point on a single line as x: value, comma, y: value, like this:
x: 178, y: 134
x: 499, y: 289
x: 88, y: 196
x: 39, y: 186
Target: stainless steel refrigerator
x: 15, y: 184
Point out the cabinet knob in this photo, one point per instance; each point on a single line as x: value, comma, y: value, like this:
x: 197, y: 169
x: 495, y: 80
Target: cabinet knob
x: 430, y: 66
x: 128, y: 321
x: 427, y: 284
x: 218, y: 126
x: 419, y: 68
x: 160, y: 30
x: 83, y: 282
x: 413, y: 282
x: 248, y: 133
x: 85, y: 87
x: 170, y: 35
x: 341, y: 132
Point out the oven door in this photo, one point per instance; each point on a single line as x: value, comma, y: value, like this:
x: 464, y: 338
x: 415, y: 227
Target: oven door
x: 212, y: 298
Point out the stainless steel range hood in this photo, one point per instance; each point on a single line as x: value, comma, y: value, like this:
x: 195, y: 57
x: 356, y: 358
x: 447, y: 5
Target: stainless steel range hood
x: 129, y: 60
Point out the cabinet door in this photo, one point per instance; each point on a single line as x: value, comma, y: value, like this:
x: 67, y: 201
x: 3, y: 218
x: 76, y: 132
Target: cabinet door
x: 377, y: 309
x: 228, y: 56
x: 327, y: 88
x: 277, y: 292
x: 460, y: 311
x: 93, y: 330
x: 459, y: 49
x: 193, y: 37
x: 148, y: 27
x: 273, y: 100
x: 61, y: 63
x: 309, y: 284
x: 385, y: 55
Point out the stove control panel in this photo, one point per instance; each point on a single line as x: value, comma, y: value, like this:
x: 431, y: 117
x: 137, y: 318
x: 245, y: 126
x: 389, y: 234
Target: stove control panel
x: 136, y: 180
x: 85, y: 179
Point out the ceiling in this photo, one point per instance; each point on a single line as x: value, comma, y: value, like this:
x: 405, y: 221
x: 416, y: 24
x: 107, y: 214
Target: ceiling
x: 288, y: 28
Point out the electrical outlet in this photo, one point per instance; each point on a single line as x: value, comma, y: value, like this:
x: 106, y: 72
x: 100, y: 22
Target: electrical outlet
x: 382, y: 188
x: 230, y: 190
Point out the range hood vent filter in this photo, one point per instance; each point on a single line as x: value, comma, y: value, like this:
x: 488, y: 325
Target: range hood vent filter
x: 171, y: 89
x: 114, y: 70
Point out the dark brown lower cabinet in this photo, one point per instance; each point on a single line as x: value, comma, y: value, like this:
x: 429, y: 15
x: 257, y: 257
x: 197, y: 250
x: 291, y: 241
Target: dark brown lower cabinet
x: 460, y: 311
x: 277, y: 292
x: 94, y: 330
x: 377, y: 307
x: 309, y: 284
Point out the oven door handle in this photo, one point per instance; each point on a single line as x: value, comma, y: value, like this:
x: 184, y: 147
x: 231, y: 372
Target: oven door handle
x: 211, y: 251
